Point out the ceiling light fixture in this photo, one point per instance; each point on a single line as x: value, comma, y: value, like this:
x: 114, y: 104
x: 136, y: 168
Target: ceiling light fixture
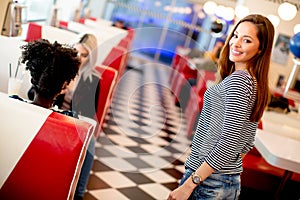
x: 274, y: 20
x: 209, y: 7
x: 241, y: 11
x: 287, y: 11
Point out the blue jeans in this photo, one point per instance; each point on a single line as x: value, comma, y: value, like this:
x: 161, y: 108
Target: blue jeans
x: 216, y: 186
x: 85, y: 170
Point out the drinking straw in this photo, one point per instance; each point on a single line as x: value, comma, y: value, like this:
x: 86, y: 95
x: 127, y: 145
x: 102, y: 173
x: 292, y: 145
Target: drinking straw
x: 17, y: 69
x: 22, y: 74
x: 9, y: 70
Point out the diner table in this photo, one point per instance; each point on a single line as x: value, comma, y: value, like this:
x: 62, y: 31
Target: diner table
x: 56, y: 34
x: 279, y: 143
x: 98, y: 22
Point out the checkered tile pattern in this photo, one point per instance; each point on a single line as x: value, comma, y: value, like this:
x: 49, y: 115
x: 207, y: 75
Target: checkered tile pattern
x: 143, y: 146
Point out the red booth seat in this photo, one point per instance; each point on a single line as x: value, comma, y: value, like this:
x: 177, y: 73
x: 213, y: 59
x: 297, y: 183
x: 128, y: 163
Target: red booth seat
x: 180, y: 52
x: 108, y: 82
x: 34, y: 32
x: 125, y: 43
x: 93, y: 18
x: 181, y: 74
x: 49, y: 164
x: 116, y: 59
x: 174, y: 66
x: 63, y: 24
x: 195, y: 101
x: 81, y: 20
x: 130, y: 34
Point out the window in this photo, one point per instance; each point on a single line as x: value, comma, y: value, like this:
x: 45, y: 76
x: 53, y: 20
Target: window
x: 36, y: 10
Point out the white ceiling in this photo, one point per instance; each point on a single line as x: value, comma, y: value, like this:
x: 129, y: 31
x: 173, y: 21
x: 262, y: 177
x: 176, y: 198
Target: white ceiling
x: 233, y: 2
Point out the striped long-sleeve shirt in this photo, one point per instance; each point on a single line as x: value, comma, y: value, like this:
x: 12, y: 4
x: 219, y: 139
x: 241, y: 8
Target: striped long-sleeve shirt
x: 224, y: 130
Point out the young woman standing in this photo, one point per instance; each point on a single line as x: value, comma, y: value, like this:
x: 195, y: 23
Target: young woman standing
x: 230, y: 115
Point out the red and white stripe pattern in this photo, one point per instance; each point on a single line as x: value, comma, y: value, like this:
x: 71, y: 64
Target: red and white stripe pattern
x: 41, y: 152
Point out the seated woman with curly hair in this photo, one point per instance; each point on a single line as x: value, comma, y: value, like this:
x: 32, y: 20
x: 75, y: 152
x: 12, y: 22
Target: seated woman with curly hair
x: 80, y: 96
x: 52, y: 67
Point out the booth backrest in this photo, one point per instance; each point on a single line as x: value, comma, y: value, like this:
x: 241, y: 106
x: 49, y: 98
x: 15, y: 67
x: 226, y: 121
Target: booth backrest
x: 174, y: 66
x: 107, y: 85
x: 126, y: 43
x: 130, y: 34
x: 63, y: 24
x: 203, y: 78
x: 34, y: 32
x: 116, y: 58
x: 41, y: 151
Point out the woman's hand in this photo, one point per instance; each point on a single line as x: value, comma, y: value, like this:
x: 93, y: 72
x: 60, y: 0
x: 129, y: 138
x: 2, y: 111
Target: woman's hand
x: 183, y: 192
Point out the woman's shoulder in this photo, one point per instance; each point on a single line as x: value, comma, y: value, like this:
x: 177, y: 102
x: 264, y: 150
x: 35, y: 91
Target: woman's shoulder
x: 65, y: 112
x: 96, y: 77
x: 240, y: 79
x: 240, y: 75
x: 14, y: 96
x: 55, y: 108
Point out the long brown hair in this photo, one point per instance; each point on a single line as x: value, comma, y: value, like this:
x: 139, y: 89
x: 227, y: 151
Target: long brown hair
x: 258, y: 66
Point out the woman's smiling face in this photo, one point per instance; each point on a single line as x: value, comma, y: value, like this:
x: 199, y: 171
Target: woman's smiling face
x: 244, y: 44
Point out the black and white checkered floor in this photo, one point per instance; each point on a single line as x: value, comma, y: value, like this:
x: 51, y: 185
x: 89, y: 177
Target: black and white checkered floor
x: 142, y: 149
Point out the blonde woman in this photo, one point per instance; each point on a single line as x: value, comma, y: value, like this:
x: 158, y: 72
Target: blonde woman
x: 82, y: 94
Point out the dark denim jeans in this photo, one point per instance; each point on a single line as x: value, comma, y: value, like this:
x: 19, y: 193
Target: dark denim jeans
x: 85, y: 170
x: 216, y: 186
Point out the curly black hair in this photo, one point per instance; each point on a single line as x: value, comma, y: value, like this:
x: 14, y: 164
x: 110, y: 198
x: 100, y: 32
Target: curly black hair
x: 50, y: 66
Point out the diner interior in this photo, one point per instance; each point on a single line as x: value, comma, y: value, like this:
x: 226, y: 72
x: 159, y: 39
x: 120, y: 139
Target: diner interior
x: 147, y: 110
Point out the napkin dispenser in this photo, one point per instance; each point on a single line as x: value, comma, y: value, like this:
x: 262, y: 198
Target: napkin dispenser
x: 12, y: 25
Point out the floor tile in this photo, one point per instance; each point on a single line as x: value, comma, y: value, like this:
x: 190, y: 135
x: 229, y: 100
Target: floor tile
x: 120, y: 151
x: 100, y: 152
x: 99, y: 166
x: 155, y: 161
x: 137, y: 177
x: 96, y: 183
x: 157, y: 191
x: 156, y: 150
x: 115, y: 179
x: 171, y: 186
x: 160, y: 176
x: 135, y: 193
x: 118, y: 164
x: 122, y: 140
x: 138, y: 163
x: 108, y: 194
x: 173, y: 173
